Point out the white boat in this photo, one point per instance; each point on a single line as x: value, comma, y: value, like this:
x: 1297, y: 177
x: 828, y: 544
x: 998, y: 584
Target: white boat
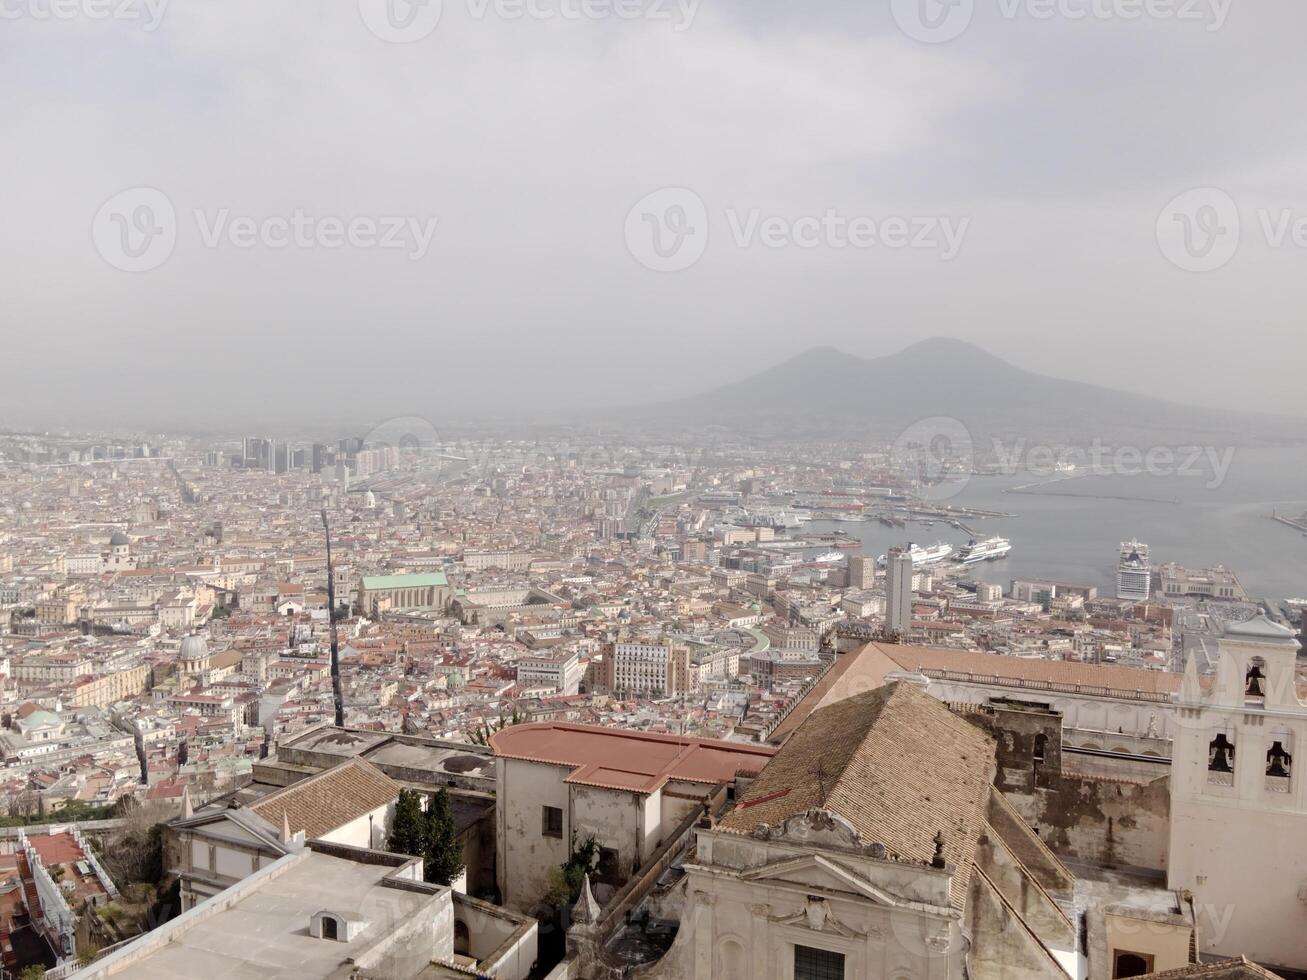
x: 924, y: 556
x: 830, y: 556
x: 990, y: 549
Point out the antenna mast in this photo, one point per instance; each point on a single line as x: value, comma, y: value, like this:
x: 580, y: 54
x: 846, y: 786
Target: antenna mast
x: 331, y: 617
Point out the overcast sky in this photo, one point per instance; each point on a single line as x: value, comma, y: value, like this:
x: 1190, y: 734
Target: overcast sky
x: 1033, y: 159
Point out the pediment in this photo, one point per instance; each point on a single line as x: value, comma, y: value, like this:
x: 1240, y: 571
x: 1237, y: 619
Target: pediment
x: 821, y: 828
x: 820, y: 873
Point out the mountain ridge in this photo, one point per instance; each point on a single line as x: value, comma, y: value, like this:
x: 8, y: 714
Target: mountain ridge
x: 825, y: 388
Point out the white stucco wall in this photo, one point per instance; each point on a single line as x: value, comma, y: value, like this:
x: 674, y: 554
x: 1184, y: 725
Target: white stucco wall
x: 355, y: 833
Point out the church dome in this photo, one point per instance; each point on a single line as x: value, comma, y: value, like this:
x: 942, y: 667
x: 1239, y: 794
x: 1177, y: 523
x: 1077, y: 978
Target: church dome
x: 119, y: 540
x: 194, y: 648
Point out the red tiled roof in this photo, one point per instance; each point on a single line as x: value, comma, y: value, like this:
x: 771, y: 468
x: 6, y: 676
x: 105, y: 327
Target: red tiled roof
x: 615, y: 758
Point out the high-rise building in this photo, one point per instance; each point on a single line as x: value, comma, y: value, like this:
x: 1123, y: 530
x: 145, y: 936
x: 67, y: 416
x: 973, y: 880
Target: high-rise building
x: 862, y: 571
x: 898, y: 591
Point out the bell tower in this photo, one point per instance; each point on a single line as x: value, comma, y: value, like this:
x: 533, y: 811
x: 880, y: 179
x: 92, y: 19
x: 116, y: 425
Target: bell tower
x: 1239, y: 797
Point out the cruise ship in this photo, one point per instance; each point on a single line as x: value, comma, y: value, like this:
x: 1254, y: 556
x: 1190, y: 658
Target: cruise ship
x: 924, y: 556
x: 991, y: 549
x: 1133, y: 573
x: 778, y: 518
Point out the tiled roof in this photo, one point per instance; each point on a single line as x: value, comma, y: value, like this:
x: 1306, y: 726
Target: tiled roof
x: 895, y: 763
x: 616, y: 758
x: 1232, y: 969
x: 866, y: 669
x: 331, y: 799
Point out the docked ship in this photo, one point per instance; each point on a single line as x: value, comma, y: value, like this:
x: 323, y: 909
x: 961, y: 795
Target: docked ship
x: 924, y: 556
x: 1133, y: 573
x: 777, y: 518
x: 829, y: 557
x: 991, y: 549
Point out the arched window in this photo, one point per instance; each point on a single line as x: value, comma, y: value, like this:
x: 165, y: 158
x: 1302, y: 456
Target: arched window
x: 1254, y: 688
x: 1041, y: 744
x: 1279, y: 763
x: 1220, y: 759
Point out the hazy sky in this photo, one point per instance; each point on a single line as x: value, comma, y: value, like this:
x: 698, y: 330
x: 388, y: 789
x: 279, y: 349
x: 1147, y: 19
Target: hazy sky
x: 1033, y: 159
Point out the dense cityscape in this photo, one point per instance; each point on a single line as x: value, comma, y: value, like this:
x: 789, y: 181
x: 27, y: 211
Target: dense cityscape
x: 169, y: 632
x: 653, y: 490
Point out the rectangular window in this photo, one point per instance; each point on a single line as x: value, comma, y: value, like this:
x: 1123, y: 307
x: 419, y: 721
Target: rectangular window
x: 817, y: 964
x: 551, y: 821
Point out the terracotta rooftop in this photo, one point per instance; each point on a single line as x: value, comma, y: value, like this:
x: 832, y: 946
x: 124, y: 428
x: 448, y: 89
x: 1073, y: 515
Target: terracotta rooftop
x: 331, y: 799
x: 894, y: 762
x: 615, y: 758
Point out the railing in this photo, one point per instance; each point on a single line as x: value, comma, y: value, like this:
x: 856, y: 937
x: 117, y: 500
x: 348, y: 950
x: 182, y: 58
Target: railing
x: 1093, y: 690
x: 1215, y: 778
x: 803, y: 692
x: 1277, y: 784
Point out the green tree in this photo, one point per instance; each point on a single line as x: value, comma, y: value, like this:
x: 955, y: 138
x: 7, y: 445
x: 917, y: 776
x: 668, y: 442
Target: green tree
x: 33, y: 972
x: 408, y: 826
x: 444, y: 855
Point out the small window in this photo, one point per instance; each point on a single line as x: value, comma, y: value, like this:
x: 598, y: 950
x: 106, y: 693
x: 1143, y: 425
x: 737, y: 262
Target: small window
x: 817, y: 964
x: 551, y: 821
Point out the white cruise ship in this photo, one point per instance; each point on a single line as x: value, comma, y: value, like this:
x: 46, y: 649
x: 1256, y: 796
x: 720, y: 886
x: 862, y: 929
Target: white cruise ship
x: 1133, y: 573
x: 924, y: 556
x: 990, y: 549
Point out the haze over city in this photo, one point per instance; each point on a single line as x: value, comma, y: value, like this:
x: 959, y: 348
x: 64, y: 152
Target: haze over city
x: 653, y: 490
x: 1058, y: 141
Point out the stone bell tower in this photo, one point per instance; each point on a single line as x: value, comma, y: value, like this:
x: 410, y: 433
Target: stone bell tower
x: 1239, y: 799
